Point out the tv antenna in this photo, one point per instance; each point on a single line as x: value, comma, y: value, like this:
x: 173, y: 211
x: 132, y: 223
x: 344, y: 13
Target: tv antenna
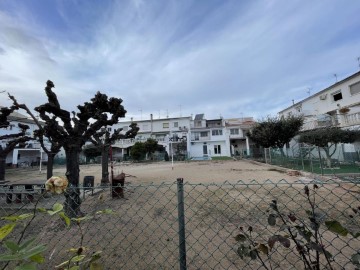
x: 358, y: 61
x: 335, y: 75
x: 309, y: 91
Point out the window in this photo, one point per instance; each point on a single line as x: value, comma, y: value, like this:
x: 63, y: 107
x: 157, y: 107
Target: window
x: 198, y: 124
x: 234, y: 131
x: 204, y: 134
x: 217, y: 149
x: 216, y: 132
x: 355, y: 88
x: 109, y: 129
x: 176, y: 124
x: 337, y: 95
x: 165, y: 125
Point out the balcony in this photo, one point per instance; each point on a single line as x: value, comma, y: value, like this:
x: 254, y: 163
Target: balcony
x: 330, y: 121
x: 352, y: 119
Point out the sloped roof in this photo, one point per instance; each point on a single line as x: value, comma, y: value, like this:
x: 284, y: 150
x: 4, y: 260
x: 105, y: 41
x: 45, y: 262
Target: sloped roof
x: 199, y: 116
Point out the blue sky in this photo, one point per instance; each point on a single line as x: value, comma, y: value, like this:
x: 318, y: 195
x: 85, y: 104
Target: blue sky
x: 219, y: 57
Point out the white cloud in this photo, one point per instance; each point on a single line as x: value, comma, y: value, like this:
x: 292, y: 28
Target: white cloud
x: 224, y: 58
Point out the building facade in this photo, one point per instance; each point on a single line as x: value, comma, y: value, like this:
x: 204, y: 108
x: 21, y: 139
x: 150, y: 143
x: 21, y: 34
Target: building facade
x: 29, y: 153
x: 204, y: 138
x: 335, y: 106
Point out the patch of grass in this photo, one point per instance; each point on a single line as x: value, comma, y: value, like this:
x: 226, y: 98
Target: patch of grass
x: 221, y: 158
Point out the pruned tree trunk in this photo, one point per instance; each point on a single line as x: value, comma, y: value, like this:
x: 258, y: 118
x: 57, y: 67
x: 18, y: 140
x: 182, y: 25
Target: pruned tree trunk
x: 72, y: 194
x: 50, y: 165
x: 105, y: 165
x: 2, y: 168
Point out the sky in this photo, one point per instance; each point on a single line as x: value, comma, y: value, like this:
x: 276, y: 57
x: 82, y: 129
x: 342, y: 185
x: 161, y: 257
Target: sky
x: 173, y: 58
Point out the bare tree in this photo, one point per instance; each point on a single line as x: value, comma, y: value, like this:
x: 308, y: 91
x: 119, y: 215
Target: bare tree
x: 9, y: 141
x: 104, y: 140
x: 75, y: 130
x: 55, y: 146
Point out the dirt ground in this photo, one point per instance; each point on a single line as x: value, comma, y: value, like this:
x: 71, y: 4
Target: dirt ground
x: 143, y: 231
x: 193, y: 172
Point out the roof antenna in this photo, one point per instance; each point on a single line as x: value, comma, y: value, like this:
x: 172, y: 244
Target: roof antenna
x: 309, y: 91
x: 335, y: 75
x: 358, y: 61
x: 293, y: 101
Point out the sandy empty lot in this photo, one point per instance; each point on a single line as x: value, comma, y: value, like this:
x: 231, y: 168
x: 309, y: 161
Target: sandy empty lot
x: 193, y: 172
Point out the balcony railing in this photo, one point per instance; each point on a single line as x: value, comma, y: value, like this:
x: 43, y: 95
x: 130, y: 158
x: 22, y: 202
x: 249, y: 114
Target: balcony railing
x: 352, y: 119
x: 331, y: 122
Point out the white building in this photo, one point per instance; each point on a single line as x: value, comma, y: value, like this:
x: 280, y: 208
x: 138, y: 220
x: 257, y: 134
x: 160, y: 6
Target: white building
x: 28, y: 153
x: 204, y: 138
x: 167, y: 131
x: 335, y: 106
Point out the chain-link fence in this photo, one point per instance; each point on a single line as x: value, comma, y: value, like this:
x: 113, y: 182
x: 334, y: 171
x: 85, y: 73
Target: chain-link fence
x: 319, y: 160
x: 242, y: 225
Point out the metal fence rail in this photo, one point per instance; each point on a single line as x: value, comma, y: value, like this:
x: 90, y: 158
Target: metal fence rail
x: 311, y: 159
x: 192, y: 226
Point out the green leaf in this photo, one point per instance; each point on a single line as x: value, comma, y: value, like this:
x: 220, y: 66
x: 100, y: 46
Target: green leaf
x: 240, y: 238
x: 253, y: 254
x: 355, y: 259
x: 26, y: 254
x: 41, y: 210
x: 335, y: 227
x: 304, y: 233
x: 17, y: 218
x: 26, y: 266
x: 278, y: 238
x: 106, y: 211
x: 10, y: 257
x: 65, y: 218
x: 95, y: 266
x: 38, y: 258
x: 272, y: 219
x: 6, y: 229
x: 243, y: 251
x: 263, y: 248
x: 78, y: 258
x: 317, y: 247
x: 11, y: 246
x: 82, y: 218
x: 27, y: 243
x: 62, y: 264
x: 57, y: 207
x: 96, y: 256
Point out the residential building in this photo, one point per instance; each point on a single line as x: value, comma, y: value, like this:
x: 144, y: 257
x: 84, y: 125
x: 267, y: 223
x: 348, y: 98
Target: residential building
x: 335, y: 106
x: 237, y: 129
x: 29, y: 152
x: 167, y: 131
x: 204, y: 138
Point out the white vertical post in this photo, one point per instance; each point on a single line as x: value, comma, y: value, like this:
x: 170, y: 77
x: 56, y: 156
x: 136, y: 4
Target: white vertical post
x: 172, y: 156
x: 40, y: 161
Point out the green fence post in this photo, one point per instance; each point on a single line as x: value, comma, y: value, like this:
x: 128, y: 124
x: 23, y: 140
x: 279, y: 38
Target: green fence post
x: 181, y: 217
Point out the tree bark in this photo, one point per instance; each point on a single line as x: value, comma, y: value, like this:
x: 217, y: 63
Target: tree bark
x: 105, y: 164
x: 2, y: 168
x: 72, y: 193
x: 50, y: 165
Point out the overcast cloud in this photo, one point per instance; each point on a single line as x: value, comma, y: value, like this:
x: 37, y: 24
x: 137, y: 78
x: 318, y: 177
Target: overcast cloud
x: 218, y: 57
